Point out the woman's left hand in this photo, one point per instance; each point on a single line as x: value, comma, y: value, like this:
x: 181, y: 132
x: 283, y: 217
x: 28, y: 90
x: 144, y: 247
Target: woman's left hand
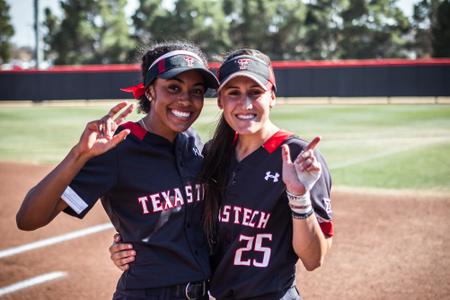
x: 301, y: 175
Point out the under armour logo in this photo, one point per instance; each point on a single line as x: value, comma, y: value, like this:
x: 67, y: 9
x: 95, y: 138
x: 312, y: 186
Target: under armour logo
x: 189, y: 60
x: 243, y: 63
x: 196, y: 151
x: 274, y: 177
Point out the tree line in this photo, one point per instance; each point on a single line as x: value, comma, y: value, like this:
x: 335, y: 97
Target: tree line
x: 98, y: 31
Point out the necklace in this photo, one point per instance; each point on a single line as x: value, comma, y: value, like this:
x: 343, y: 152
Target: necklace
x: 141, y: 121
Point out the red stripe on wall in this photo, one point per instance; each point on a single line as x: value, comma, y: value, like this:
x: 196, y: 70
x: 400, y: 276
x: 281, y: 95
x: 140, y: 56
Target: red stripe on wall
x: 276, y: 65
x: 291, y: 64
x: 359, y: 63
x: 81, y: 69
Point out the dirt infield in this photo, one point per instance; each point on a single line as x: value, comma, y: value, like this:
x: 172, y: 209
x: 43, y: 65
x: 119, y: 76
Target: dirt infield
x: 387, y: 246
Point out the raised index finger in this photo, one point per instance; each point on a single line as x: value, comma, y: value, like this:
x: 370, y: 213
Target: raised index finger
x: 313, y: 143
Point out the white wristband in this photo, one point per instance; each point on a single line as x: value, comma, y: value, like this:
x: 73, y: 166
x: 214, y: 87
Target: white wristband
x: 299, y: 204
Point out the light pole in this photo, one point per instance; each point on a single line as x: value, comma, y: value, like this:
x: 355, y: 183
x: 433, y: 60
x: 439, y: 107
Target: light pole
x: 37, y: 52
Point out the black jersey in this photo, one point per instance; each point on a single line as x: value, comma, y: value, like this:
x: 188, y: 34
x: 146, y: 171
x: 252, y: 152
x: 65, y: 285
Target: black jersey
x: 148, y: 189
x: 254, y: 257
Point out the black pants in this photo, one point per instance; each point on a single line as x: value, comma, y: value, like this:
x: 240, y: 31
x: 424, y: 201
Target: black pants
x: 170, y: 293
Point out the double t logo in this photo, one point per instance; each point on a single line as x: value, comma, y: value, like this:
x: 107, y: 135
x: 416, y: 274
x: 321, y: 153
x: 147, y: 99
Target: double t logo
x: 243, y: 63
x: 189, y: 61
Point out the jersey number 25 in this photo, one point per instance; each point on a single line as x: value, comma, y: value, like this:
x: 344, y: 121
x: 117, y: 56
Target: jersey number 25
x: 254, y: 243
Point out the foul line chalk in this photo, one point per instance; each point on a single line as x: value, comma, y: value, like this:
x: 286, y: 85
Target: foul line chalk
x: 57, y: 239
x: 30, y: 282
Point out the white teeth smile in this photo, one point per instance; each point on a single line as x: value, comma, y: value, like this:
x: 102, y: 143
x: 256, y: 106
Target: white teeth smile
x: 181, y: 114
x: 246, y: 116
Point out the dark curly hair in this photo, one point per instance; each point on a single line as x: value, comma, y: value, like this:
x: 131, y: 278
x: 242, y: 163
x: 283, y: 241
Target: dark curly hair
x: 158, y: 49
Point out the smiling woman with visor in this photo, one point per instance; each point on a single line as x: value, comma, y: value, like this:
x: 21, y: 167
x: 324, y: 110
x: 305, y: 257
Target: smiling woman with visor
x: 145, y: 174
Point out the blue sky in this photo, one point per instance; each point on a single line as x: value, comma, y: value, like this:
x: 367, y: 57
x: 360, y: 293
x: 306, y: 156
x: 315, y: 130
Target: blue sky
x: 21, y: 12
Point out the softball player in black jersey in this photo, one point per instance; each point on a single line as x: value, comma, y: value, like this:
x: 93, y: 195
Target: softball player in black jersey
x: 267, y: 192
x: 267, y: 197
x: 147, y: 182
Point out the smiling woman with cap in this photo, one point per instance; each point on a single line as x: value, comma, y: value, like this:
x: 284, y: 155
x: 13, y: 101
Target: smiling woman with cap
x: 147, y: 182
x: 264, y: 208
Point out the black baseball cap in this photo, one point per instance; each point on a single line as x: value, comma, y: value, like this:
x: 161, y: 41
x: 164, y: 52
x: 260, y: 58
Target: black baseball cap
x: 248, y: 66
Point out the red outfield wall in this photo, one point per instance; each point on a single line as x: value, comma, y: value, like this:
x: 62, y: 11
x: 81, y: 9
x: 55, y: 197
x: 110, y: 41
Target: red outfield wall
x: 341, y: 78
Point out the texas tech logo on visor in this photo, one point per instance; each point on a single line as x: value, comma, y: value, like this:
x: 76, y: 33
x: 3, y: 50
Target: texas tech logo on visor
x: 258, y: 69
x: 189, y: 60
x: 243, y: 63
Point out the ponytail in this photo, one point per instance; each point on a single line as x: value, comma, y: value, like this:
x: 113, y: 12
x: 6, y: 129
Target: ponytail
x: 214, y: 176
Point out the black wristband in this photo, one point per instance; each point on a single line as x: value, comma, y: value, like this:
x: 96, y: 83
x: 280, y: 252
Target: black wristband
x: 302, y: 216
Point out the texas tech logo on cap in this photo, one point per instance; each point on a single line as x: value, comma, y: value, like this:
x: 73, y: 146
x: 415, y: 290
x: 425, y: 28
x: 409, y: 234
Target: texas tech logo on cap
x: 189, y: 60
x: 243, y: 63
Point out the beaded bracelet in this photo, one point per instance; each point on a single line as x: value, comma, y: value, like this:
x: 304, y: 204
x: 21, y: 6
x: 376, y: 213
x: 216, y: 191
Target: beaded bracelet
x: 302, y: 216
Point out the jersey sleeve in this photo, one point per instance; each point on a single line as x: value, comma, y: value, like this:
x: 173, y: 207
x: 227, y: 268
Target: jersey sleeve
x: 321, y: 198
x: 92, y: 182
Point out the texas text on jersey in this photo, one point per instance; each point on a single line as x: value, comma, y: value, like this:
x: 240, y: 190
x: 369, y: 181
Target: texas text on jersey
x: 166, y: 255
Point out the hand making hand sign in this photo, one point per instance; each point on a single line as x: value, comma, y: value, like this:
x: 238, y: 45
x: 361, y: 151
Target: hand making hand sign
x: 301, y: 174
x: 98, y: 136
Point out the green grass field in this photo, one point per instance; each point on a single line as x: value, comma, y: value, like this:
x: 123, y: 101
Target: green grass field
x: 366, y: 146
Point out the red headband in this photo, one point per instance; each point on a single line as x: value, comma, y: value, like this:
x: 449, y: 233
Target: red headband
x: 138, y: 90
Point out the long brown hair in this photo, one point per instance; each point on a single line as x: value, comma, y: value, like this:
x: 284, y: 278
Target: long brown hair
x: 216, y: 166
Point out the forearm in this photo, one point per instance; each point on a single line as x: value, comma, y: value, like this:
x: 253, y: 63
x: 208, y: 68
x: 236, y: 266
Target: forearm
x: 309, y: 242
x: 43, y: 202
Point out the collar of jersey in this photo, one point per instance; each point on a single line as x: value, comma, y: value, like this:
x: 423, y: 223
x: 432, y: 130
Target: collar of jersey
x: 135, y: 129
x: 141, y: 133
x: 276, y: 140
x: 270, y: 145
x: 273, y: 142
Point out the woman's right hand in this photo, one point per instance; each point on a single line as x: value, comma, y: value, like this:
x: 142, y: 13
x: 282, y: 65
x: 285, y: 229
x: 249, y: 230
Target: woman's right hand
x: 43, y: 202
x: 300, y: 175
x: 121, y: 253
x: 98, y: 136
